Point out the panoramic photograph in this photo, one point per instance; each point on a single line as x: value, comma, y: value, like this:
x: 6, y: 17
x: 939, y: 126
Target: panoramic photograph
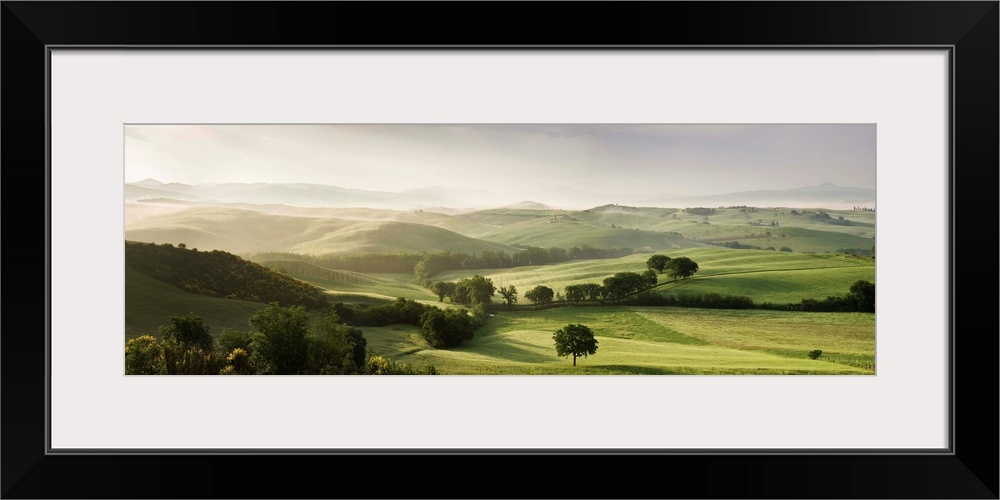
x: 500, y: 249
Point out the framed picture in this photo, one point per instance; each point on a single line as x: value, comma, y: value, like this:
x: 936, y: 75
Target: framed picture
x: 915, y: 82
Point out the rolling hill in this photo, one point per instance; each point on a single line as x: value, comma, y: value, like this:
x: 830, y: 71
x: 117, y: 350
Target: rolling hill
x: 385, y: 237
x: 241, y: 230
x: 219, y: 274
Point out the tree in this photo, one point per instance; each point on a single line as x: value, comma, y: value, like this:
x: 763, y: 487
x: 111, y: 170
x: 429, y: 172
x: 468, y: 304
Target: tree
x: 335, y: 348
x: 446, y: 328
x: 592, y: 290
x: 509, y: 294
x: 188, y: 331
x: 682, y: 267
x: 474, y: 290
x: 279, y: 345
x: 444, y: 289
x: 657, y: 262
x: 575, y: 293
x: 231, y: 339
x: 576, y: 340
x: 815, y: 354
x: 423, y: 276
x: 187, y: 346
x: 650, y: 276
x: 863, y: 295
x: 541, y: 294
x: 622, y: 284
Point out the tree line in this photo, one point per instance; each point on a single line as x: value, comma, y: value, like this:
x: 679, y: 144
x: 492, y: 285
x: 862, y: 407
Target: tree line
x: 478, y: 290
x: 633, y: 288
x: 860, y: 298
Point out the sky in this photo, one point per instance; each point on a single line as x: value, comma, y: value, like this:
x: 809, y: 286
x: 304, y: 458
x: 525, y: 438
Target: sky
x: 605, y: 158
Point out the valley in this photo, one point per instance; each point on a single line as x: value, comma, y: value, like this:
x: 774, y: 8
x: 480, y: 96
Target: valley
x: 771, y: 257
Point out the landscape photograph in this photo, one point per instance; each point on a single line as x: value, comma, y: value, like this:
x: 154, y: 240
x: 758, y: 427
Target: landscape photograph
x: 499, y: 249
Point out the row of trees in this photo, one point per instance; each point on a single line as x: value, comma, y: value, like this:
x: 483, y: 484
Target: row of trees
x: 699, y: 210
x: 710, y: 300
x: 480, y: 290
x: 860, y: 298
x: 743, y: 246
x: 473, y: 291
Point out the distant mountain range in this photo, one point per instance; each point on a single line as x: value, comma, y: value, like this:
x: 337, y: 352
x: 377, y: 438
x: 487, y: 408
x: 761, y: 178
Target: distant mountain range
x: 825, y: 195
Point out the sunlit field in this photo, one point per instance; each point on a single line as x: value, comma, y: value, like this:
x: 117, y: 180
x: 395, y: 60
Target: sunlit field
x: 634, y: 340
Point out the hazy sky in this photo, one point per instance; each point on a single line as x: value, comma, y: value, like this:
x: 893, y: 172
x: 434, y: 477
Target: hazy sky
x: 637, y: 159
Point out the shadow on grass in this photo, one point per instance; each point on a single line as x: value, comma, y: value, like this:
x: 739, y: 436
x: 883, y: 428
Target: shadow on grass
x: 508, y: 350
x: 635, y: 370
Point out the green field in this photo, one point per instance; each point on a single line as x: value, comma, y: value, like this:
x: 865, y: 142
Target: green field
x: 650, y: 341
x: 764, y: 276
x: 545, y: 232
x: 150, y: 303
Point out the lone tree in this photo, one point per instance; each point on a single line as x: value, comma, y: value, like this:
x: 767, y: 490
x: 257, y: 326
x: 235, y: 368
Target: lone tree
x: 509, y: 294
x: 574, y: 339
x: 658, y: 262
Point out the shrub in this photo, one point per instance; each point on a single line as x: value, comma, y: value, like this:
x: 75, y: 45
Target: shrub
x: 144, y: 356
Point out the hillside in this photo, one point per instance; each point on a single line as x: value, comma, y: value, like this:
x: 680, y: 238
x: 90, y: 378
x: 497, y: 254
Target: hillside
x: 337, y: 281
x: 313, y: 231
x: 557, y: 228
x: 150, y: 303
x: 384, y: 237
x: 219, y: 274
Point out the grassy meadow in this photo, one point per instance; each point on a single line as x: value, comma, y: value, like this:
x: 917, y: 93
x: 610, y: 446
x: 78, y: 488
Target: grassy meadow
x: 638, y: 340
x: 148, y: 304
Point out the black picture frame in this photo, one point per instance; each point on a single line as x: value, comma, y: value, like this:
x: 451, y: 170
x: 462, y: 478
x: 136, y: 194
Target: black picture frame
x: 970, y: 470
